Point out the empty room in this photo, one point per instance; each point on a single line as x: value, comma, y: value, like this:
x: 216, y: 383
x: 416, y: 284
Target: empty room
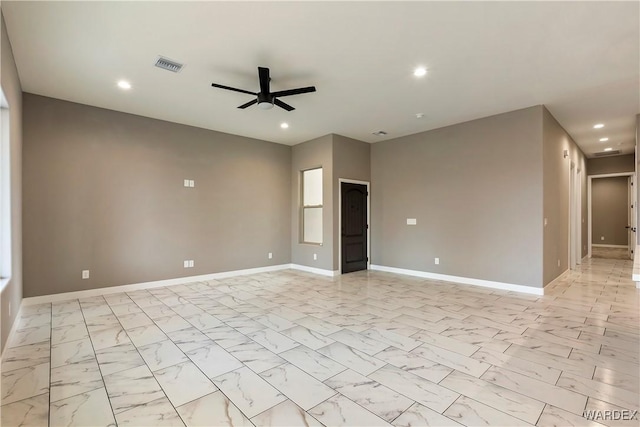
x: 319, y: 213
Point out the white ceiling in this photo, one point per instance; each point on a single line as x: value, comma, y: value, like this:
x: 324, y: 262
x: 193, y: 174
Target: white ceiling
x: 580, y: 59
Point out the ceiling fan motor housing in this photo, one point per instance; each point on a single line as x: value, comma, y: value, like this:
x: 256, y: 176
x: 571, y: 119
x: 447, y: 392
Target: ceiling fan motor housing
x: 265, y: 101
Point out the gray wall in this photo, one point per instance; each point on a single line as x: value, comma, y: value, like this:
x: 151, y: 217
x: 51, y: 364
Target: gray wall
x: 103, y: 191
x: 308, y: 155
x: 12, y: 293
x: 614, y: 164
x: 351, y: 160
x: 475, y: 189
x: 556, y: 179
x: 609, y: 199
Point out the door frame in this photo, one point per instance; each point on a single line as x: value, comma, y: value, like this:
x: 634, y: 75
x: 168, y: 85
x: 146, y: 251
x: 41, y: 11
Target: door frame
x: 368, y: 184
x: 589, y: 201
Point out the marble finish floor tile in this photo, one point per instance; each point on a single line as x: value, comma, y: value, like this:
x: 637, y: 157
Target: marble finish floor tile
x: 451, y: 359
x: 158, y: 412
x: 340, y: 411
x: 250, y: 393
x: 512, y: 403
x: 382, y: 401
x: 307, y: 337
x: 30, y: 336
x: 24, y: 383
x: 285, y: 414
x: 162, y: 354
x: 314, y: 363
x: 352, y: 358
x: 418, y: 415
x: 548, y: 393
x: 25, y: 356
x: 298, y: 386
x: 469, y: 412
x: 412, y: 386
x: 90, y: 408
x: 183, y: 383
x: 414, y: 364
x: 71, y: 352
x: 212, y: 410
x: 213, y: 360
x: 118, y: 358
x: 30, y: 412
x: 255, y: 356
x: 358, y: 341
x: 132, y: 388
x: 365, y: 348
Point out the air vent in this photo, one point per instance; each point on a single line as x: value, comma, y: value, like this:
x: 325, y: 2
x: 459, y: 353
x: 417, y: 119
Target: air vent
x: 169, y: 65
x: 607, y: 153
x: 380, y: 133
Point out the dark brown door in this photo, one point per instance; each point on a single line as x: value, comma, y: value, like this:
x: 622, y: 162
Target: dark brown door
x: 354, y: 227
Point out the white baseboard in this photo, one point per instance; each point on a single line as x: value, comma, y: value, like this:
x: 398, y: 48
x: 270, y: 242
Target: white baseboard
x: 559, y: 278
x: 330, y: 273
x: 14, y: 327
x: 610, y: 246
x: 462, y: 280
x: 149, y: 285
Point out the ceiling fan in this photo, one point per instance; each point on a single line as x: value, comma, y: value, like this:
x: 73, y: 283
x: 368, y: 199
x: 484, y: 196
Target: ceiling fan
x: 266, y: 99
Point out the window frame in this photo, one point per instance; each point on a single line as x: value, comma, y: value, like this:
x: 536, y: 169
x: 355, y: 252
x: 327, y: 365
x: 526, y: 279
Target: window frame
x: 304, y: 207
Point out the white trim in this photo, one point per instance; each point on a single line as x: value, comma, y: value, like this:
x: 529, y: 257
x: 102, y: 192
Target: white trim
x: 368, y: 184
x: 315, y: 270
x: 610, y: 246
x: 14, y: 327
x: 461, y: 280
x: 559, y: 278
x: 590, y: 215
x: 635, y: 276
x: 149, y: 285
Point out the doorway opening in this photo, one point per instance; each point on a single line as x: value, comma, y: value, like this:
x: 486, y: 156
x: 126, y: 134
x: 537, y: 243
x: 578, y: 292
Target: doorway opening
x: 612, y: 219
x: 353, y: 223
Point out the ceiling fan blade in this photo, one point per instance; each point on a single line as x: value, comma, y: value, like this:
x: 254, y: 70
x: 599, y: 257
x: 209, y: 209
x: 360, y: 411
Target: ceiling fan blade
x: 248, y: 104
x: 290, y: 92
x: 263, y: 74
x: 233, y: 89
x: 283, y: 105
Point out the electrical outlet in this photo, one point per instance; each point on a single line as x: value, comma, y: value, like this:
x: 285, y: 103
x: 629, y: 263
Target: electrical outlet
x: 85, y: 274
x: 186, y: 263
x: 186, y: 182
x: 315, y: 257
x: 190, y: 263
x: 270, y: 255
x: 192, y: 183
x: 9, y: 309
x: 436, y: 261
x: 545, y: 222
x: 601, y: 237
x: 412, y: 221
x: 558, y: 263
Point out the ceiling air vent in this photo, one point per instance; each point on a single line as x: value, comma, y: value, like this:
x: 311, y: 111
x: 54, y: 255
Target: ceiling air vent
x: 169, y: 65
x: 380, y: 133
x: 607, y: 153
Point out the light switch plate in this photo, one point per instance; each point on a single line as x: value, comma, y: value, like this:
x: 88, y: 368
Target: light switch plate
x: 190, y: 263
x: 186, y: 263
x: 186, y: 182
x: 192, y: 183
x: 85, y: 274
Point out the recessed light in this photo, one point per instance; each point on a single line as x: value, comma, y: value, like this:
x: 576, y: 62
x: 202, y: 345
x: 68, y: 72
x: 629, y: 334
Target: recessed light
x: 284, y: 125
x: 123, y: 84
x: 420, y: 71
x: 604, y: 139
x: 598, y: 126
x: 608, y: 149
